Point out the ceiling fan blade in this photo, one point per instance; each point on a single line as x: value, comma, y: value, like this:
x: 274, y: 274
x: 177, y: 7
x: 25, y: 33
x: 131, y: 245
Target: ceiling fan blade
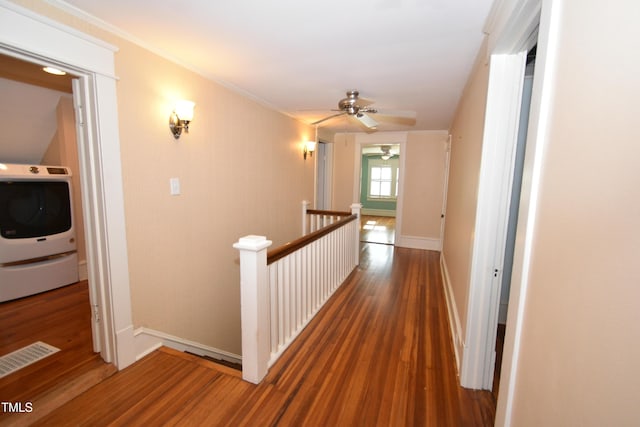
x: 396, y: 116
x: 396, y: 113
x: 329, y: 118
x: 366, y: 120
x: 363, y: 102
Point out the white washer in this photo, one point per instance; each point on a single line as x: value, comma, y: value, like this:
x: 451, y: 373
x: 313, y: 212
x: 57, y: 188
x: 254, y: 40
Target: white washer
x: 37, y: 235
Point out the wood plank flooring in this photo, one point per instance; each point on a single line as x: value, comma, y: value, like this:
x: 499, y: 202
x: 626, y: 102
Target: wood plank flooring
x: 377, y: 229
x: 378, y: 354
x: 61, y: 318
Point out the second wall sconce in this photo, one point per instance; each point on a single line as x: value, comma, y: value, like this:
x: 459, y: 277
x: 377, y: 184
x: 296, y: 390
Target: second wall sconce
x: 309, y: 148
x: 181, y: 117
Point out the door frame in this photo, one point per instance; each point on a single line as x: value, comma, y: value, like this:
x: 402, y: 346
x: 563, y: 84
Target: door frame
x: 445, y: 188
x: 510, y: 29
x: 494, y: 193
x: 35, y: 38
x: 363, y: 139
x: 323, y: 176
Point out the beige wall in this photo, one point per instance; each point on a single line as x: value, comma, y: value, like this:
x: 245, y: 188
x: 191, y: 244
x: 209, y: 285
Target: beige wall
x: 581, y: 332
x: 462, y: 196
x: 423, y: 189
x: 241, y: 172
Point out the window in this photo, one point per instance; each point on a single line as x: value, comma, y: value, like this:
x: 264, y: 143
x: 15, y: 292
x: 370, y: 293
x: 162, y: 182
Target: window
x: 383, y: 180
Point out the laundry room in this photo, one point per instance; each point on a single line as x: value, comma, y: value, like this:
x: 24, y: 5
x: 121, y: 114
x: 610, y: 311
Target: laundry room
x: 42, y: 243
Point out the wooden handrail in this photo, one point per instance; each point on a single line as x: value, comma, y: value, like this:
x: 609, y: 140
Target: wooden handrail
x: 329, y: 213
x: 284, y: 250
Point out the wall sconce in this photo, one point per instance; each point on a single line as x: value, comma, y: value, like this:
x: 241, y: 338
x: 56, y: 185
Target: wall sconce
x: 309, y: 148
x: 181, y: 117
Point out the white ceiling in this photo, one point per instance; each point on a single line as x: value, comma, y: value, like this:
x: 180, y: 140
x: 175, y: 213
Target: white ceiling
x: 300, y: 57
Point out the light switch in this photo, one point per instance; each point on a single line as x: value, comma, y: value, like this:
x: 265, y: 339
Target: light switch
x: 174, y: 183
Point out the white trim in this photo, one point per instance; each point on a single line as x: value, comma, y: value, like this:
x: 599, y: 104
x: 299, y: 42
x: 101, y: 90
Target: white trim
x: 399, y: 138
x: 452, y: 311
x: 445, y: 185
x: 379, y: 212
x: 494, y: 194
x: 23, y: 30
x: 83, y: 273
x: 328, y: 175
x: 148, y: 340
x: 26, y: 35
x: 415, y: 242
x: 540, y: 113
x: 510, y: 24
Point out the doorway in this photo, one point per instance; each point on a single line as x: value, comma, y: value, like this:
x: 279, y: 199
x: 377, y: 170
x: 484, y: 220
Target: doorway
x: 50, y: 139
x: 323, y: 175
x: 379, y: 175
x: 40, y: 40
x: 514, y: 208
x: 379, y: 189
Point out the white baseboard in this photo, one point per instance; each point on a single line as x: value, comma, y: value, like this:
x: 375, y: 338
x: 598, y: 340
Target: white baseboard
x: 452, y: 310
x: 378, y: 212
x: 148, y: 340
x: 83, y: 273
x: 125, y: 347
x: 426, y: 243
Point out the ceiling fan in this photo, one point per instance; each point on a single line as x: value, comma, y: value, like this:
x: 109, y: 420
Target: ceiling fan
x: 386, y: 152
x: 361, y: 110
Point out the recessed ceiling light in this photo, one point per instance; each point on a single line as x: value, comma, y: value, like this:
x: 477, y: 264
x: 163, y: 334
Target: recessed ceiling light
x: 55, y: 71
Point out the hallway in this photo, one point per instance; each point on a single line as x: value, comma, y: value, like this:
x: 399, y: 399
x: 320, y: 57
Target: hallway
x: 379, y: 353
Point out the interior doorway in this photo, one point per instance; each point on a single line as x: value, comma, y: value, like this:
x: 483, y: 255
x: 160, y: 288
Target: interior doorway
x: 514, y: 208
x: 41, y: 105
x: 379, y: 189
x: 40, y: 40
x: 323, y: 161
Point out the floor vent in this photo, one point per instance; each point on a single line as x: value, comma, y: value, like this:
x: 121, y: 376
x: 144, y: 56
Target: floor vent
x: 25, y: 357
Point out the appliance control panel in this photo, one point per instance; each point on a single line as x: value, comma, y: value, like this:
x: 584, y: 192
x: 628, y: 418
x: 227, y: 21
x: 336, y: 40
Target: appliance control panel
x: 18, y: 171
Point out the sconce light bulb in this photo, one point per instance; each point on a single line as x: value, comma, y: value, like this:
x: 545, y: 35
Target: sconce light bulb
x: 181, y: 117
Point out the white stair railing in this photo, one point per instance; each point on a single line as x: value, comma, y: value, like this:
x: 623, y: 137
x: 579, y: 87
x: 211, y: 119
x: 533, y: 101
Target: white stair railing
x: 313, y: 219
x: 283, y: 289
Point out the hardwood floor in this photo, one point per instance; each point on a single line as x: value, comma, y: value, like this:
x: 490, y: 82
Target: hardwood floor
x: 377, y: 229
x: 379, y: 353
x: 61, y: 318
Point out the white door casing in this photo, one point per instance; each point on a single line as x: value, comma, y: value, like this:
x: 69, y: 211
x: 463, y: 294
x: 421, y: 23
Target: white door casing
x: 29, y: 36
x: 494, y: 193
x: 363, y: 139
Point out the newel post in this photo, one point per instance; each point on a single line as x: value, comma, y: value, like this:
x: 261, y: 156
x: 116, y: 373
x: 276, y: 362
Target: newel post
x: 254, y: 306
x: 355, y: 210
x: 305, y: 206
